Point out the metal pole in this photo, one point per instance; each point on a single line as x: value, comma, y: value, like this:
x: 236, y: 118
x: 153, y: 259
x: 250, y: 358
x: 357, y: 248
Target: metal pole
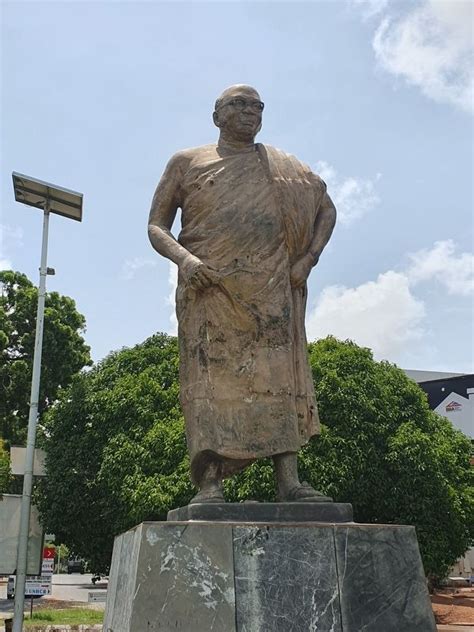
x: 31, y: 440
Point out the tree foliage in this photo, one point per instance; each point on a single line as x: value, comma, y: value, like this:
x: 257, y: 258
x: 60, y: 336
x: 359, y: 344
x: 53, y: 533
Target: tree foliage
x: 116, y: 452
x: 64, y: 350
x: 385, y: 451
x: 5, y: 475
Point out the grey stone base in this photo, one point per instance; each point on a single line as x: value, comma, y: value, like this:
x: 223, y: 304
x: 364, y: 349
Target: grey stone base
x: 223, y: 577
x: 265, y: 512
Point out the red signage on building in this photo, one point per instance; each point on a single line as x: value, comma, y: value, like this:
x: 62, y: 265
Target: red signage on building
x: 48, y: 552
x: 453, y: 406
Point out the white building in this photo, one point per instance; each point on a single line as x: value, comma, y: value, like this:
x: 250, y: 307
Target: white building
x: 459, y: 410
x: 450, y: 395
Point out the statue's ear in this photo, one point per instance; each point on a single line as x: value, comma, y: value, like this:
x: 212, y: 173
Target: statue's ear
x: 215, y: 118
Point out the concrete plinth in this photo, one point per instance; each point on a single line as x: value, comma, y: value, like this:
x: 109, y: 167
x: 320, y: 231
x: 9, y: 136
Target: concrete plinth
x: 275, y: 577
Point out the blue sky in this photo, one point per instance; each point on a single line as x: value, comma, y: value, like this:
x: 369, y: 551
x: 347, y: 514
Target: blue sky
x: 375, y: 95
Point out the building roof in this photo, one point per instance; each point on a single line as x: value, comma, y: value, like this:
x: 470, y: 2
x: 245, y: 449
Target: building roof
x: 428, y: 376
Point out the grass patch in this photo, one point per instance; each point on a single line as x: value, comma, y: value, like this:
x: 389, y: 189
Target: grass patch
x: 64, y: 617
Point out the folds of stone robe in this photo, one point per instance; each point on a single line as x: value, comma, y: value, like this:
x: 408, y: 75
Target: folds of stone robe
x: 246, y: 385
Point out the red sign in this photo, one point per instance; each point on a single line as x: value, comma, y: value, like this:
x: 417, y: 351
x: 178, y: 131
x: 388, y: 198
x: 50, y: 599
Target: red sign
x: 453, y: 406
x: 48, y: 552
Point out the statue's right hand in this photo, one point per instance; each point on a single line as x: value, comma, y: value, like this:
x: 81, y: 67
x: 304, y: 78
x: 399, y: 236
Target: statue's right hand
x: 197, y: 274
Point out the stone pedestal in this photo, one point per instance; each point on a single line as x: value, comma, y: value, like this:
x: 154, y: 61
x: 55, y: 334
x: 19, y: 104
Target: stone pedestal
x: 264, y: 512
x: 201, y: 576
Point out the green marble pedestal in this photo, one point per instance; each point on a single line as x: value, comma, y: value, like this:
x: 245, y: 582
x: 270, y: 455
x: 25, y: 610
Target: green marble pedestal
x: 267, y: 577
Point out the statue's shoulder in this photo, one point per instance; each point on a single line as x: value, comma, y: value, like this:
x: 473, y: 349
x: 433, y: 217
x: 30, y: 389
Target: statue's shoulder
x: 284, y: 162
x: 279, y: 155
x: 272, y: 151
x: 185, y: 157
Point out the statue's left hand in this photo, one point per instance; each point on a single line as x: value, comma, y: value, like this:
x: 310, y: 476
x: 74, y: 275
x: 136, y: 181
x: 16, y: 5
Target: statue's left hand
x: 300, y: 270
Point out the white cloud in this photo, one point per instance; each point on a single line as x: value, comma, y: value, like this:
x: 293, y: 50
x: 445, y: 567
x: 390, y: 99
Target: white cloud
x: 455, y: 272
x: 6, y: 264
x: 10, y: 237
x: 13, y: 234
x: 385, y: 314
x: 431, y: 47
x: 131, y: 266
x: 171, y: 300
x: 353, y: 197
x: 370, y: 8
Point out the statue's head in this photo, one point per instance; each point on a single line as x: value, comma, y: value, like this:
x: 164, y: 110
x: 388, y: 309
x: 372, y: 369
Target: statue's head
x: 238, y: 113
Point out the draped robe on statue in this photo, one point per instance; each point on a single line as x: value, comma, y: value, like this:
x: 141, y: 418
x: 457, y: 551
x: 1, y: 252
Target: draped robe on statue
x: 246, y: 385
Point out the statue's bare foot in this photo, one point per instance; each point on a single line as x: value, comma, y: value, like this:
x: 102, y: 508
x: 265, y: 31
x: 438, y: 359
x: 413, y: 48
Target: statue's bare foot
x: 210, y: 495
x: 210, y: 484
x: 303, y: 493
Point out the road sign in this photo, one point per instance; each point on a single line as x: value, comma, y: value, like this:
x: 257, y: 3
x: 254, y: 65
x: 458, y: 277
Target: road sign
x: 48, y: 552
x: 38, y: 585
x: 47, y: 566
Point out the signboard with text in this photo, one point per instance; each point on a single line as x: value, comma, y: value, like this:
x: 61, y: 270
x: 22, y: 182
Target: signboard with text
x: 47, y: 566
x: 38, y: 586
x: 35, y: 586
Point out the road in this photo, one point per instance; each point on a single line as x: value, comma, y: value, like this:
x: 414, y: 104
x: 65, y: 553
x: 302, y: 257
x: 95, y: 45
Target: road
x: 73, y: 587
x: 77, y: 587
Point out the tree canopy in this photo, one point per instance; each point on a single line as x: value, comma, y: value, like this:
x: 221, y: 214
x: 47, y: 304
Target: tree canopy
x: 64, y: 350
x: 5, y: 476
x: 116, y: 452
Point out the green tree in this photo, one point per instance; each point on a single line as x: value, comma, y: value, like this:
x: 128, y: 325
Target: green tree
x: 116, y: 452
x: 5, y: 475
x: 385, y: 451
x: 64, y: 350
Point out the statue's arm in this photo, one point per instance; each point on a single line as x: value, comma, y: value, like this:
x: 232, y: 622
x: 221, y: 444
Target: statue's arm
x: 324, y: 225
x: 163, y: 212
x: 166, y: 201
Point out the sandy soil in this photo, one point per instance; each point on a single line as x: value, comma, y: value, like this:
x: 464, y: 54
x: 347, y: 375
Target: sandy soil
x: 455, y: 606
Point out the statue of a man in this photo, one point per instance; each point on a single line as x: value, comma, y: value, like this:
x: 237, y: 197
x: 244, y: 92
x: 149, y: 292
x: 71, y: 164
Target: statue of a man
x: 254, y: 223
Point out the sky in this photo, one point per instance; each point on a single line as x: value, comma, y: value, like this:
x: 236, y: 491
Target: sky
x: 376, y: 96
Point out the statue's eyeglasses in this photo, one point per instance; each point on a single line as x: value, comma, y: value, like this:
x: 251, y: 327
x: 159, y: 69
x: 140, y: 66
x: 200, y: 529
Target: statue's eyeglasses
x: 239, y: 104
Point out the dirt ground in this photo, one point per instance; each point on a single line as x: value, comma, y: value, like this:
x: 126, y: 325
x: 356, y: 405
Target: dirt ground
x: 454, y: 606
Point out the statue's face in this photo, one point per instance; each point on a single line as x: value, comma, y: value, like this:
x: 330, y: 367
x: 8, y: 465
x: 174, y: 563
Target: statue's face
x: 239, y: 113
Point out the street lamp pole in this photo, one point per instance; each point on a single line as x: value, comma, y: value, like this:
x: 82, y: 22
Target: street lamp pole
x: 31, y: 440
x: 51, y: 199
